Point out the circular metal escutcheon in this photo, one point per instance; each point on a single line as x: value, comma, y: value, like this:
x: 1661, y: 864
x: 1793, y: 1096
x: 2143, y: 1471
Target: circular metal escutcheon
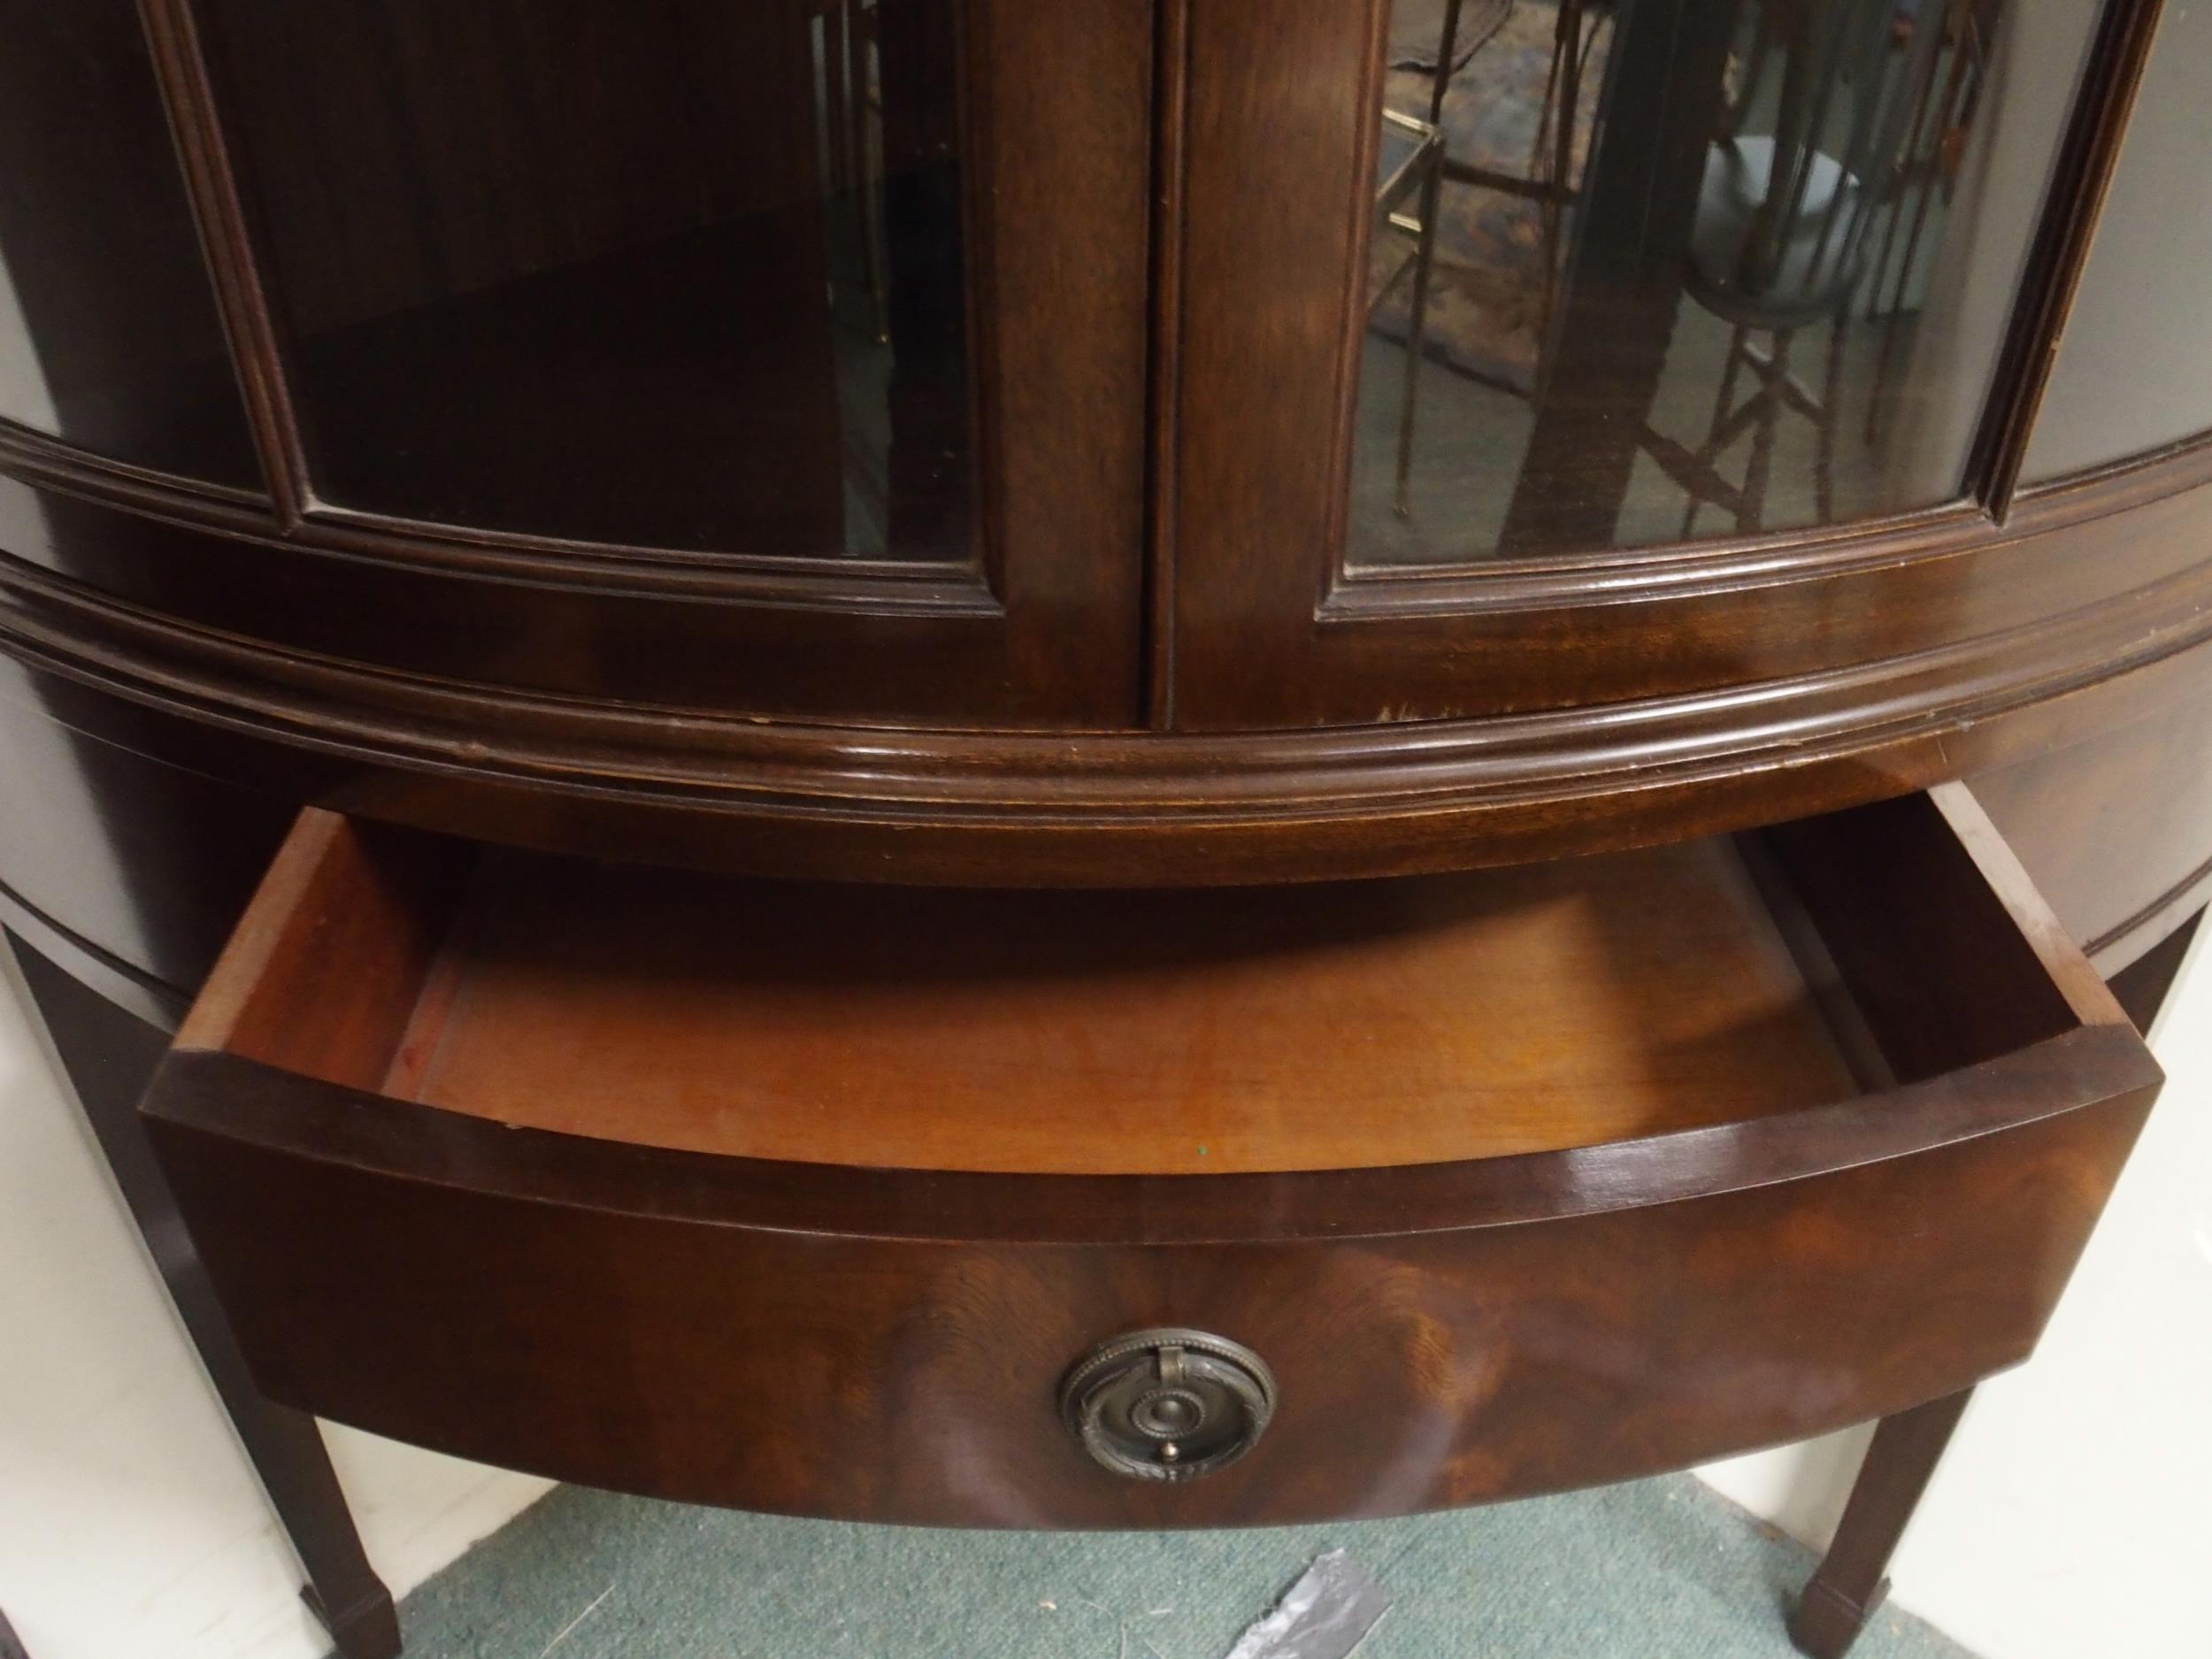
x: 1168, y: 1404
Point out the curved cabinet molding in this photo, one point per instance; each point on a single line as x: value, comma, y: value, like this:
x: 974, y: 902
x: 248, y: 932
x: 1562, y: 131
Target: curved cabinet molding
x: 1157, y: 658
x: 646, y: 304
x: 1693, y: 297
x: 2086, y: 610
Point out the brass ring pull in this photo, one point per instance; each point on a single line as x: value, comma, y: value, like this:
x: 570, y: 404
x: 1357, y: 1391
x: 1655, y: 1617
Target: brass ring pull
x: 1168, y: 1404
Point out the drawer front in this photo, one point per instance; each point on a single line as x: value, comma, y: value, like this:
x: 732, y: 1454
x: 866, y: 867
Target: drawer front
x: 725, y: 1324
x: 553, y: 1327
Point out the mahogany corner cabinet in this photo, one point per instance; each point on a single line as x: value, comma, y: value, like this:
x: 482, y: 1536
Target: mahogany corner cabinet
x: 1162, y: 764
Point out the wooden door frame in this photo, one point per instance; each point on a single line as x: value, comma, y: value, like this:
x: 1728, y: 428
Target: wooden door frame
x: 1271, y: 139
x: 1041, y: 626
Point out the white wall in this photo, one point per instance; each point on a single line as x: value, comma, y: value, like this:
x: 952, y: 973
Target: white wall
x: 2073, y: 1516
x: 130, y: 1524
x: 30, y: 400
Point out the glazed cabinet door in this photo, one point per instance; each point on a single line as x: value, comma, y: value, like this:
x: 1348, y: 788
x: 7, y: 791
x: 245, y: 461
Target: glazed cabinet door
x: 1542, y: 353
x: 782, y: 357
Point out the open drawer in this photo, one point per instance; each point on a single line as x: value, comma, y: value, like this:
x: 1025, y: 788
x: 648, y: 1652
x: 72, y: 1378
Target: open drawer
x: 1409, y: 1193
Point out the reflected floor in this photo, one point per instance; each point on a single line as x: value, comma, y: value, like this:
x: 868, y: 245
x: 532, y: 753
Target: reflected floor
x: 1469, y: 438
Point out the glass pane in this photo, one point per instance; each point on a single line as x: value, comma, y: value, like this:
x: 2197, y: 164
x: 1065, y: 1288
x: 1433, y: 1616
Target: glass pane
x: 2132, y: 374
x: 109, y: 336
x: 1650, y: 270
x: 685, y: 274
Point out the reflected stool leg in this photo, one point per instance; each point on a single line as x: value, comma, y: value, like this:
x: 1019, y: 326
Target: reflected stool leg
x: 1416, y: 327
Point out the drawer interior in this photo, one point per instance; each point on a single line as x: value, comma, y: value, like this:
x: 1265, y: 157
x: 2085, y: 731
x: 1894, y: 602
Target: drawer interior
x: 1352, y: 1026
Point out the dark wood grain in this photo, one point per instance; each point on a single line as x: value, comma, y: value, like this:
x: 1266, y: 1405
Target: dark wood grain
x: 1850, y: 1584
x: 1532, y: 1213
x: 1281, y: 621
x: 1204, y: 1033
x: 121, y: 350
x: 1492, y: 1326
x: 146, y: 862
x: 203, y: 148
x: 578, y: 772
x: 887, y: 1379
x: 523, y: 688
x: 2146, y: 985
x: 109, y: 1056
x: 2116, y: 830
x: 1033, y: 617
x: 1936, y: 927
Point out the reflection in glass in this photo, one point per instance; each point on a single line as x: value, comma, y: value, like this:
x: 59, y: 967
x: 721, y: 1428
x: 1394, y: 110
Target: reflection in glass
x: 109, y: 336
x: 684, y: 275
x: 1682, y: 275
x: 2131, y: 374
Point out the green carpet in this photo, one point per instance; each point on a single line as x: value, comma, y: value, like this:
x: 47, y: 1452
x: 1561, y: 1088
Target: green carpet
x: 1658, y: 1570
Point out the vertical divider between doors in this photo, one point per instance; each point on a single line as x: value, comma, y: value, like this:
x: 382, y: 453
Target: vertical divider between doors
x: 173, y: 31
x: 1170, y: 106
x: 2088, y: 155
x: 1275, y: 188
x: 1352, y: 342
x: 979, y: 178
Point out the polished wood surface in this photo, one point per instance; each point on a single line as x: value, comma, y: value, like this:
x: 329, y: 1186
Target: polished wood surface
x: 148, y: 861
x: 1311, y: 1028
x: 915, y: 719
x: 1281, y: 621
x: 516, y: 249
x: 602, y: 442
x: 2118, y: 829
x: 108, y: 1057
x: 1033, y: 620
x: 881, y: 1380
x: 577, y: 773
x: 1851, y: 1583
x: 2144, y: 986
x: 1896, y: 1245
x: 109, y: 335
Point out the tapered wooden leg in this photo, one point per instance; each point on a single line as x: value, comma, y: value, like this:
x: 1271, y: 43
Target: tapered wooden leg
x: 1852, y: 1579
x: 1851, y: 1583
x: 109, y: 1055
